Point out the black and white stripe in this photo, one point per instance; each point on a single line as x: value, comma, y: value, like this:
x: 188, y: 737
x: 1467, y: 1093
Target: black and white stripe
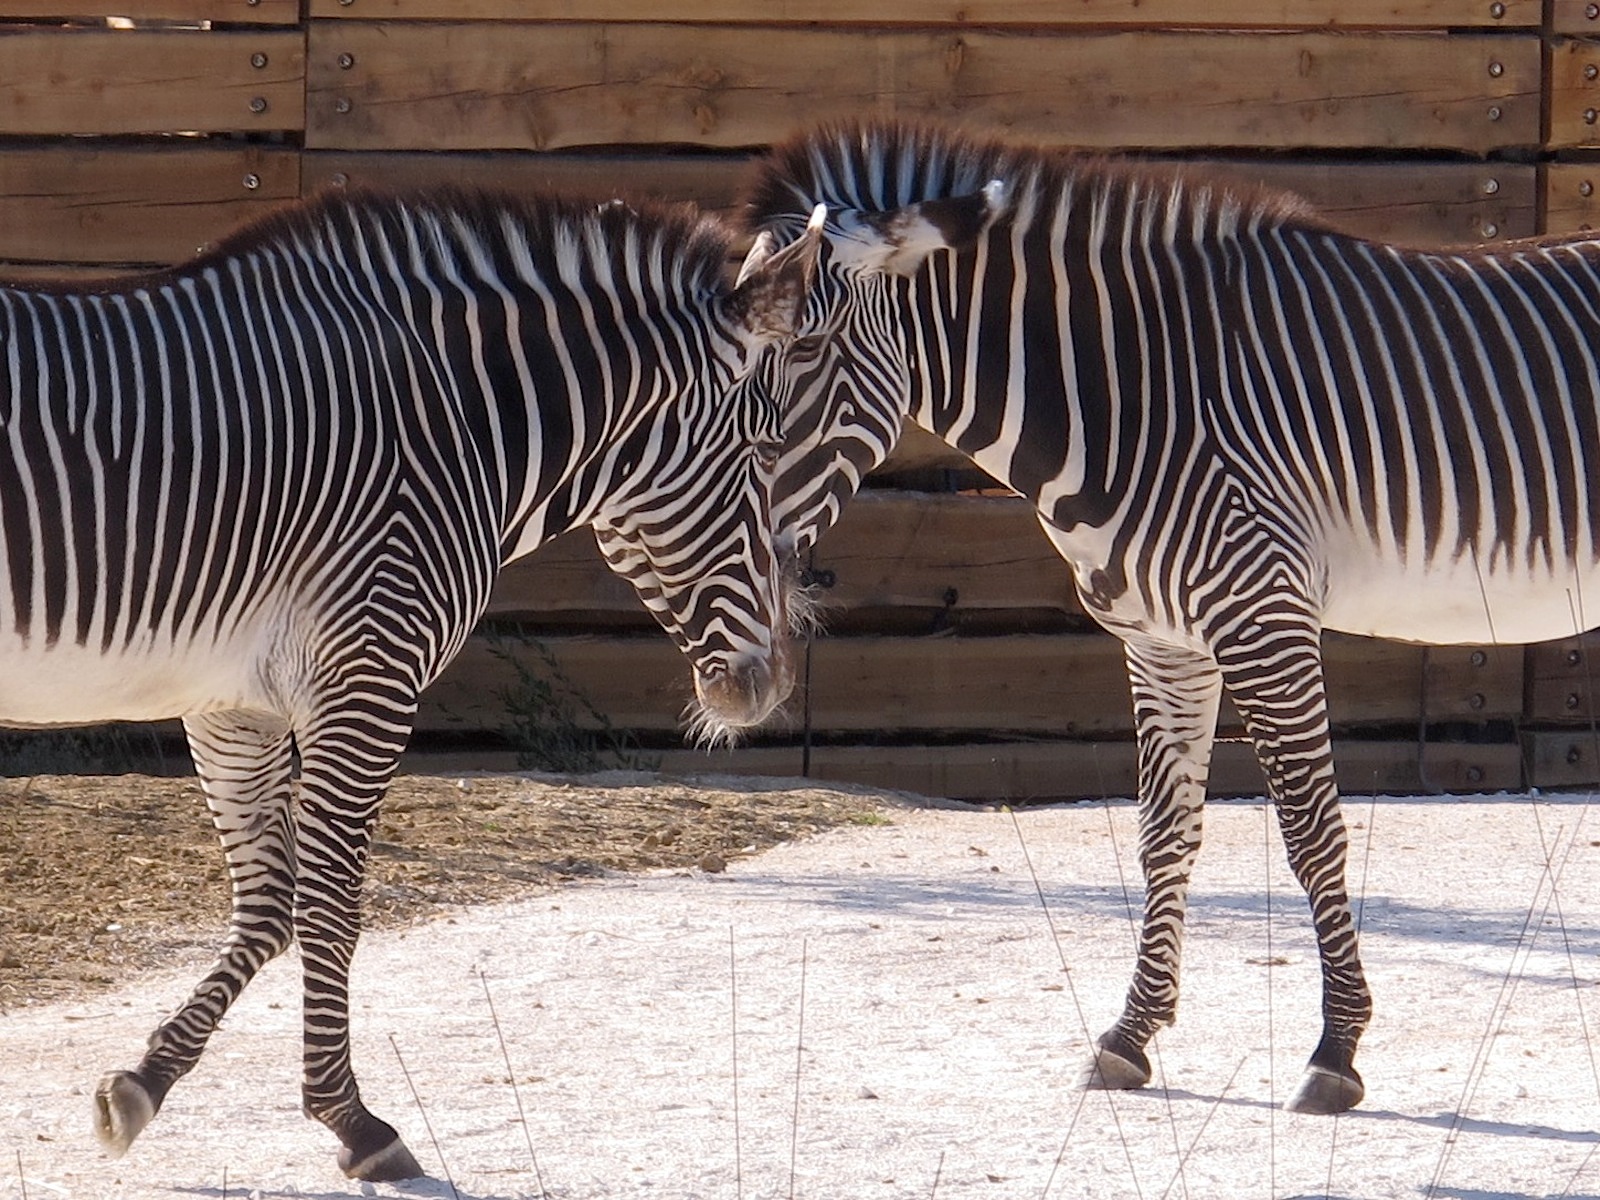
x: 268, y: 492
x: 1240, y: 428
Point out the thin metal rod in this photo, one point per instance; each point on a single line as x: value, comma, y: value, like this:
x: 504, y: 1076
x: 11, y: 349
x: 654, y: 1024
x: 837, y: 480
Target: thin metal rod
x: 733, y: 1021
x: 511, y: 1078
x: 799, y: 1048
x: 1072, y: 990
x: 426, y: 1124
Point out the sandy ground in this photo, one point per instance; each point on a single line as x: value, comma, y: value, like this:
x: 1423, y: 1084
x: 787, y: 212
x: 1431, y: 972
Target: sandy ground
x: 941, y: 1036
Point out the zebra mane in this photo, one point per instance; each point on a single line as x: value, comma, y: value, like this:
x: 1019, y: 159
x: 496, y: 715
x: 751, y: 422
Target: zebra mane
x: 557, y: 233
x: 875, y: 166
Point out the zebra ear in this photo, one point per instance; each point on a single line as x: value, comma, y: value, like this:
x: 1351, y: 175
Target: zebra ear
x: 768, y: 301
x: 898, y: 242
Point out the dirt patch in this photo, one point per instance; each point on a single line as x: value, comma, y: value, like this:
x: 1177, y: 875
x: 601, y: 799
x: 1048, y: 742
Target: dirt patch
x: 102, y: 877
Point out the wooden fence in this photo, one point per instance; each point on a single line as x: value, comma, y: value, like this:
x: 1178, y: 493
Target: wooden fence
x: 133, y: 132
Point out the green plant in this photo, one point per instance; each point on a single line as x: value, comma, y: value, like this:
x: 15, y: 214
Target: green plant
x: 550, y: 723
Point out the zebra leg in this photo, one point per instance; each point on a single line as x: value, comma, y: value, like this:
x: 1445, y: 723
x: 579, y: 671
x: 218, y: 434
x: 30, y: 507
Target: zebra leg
x: 243, y: 759
x: 1277, y: 684
x: 347, y: 760
x: 1175, y: 697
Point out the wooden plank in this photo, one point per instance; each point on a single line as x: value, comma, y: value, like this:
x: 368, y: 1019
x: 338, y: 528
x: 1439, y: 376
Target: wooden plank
x: 709, y: 181
x: 1029, y: 772
x: 122, y: 204
x: 1561, y: 758
x: 1571, y: 197
x: 1224, y: 14
x: 1574, y: 88
x: 1577, y: 17
x: 1409, y: 202
x: 1564, y: 680
x: 1435, y: 202
x: 889, y: 550
x: 1056, y: 685
x: 74, y: 81
x: 589, y: 84
x: 232, y: 12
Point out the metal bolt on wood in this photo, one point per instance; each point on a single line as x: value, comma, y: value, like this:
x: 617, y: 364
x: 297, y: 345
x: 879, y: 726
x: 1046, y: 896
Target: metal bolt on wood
x: 346, y: 61
x: 1491, y: 187
x: 1590, y: 116
x: 1591, y: 11
x: 1497, y: 10
x: 1591, y: 71
x: 258, y: 60
x: 341, y: 105
x: 252, y: 181
x: 1586, y: 188
x: 1494, y: 112
x: 258, y: 104
x: 1496, y: 70
x: 1490, y: 230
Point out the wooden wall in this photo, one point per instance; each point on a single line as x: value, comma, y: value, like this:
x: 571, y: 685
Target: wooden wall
x: 133, y: 132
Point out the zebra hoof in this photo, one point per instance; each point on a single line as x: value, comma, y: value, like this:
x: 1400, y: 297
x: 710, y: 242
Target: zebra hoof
x: 1115, y: 1070
x: 122, y: 1108
x: 1323, y: 1092
x: 388, y: 1165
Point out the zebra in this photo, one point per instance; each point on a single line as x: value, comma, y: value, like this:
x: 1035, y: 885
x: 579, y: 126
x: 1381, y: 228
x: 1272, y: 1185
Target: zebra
x: 1238, y: 425
x: 267, y: 492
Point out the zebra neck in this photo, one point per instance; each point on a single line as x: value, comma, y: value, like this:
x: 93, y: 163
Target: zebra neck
x: 1046, y: 356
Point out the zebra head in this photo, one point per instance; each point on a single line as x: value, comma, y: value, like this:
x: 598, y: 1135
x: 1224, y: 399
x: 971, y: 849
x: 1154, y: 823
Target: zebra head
x: 844, y: 383
x: 691, y: 525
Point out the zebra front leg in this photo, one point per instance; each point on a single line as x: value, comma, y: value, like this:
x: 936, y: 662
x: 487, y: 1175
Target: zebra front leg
x: 1277, y: 685
x: 243, y: 759
x: 1175, y: 697
x: 347, y: 761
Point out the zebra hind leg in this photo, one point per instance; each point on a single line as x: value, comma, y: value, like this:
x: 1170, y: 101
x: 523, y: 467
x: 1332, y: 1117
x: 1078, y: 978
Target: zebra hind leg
x: 1176, y: 693
x: 1284, y: 707
x: 347, y: 760
x: 243, y: 760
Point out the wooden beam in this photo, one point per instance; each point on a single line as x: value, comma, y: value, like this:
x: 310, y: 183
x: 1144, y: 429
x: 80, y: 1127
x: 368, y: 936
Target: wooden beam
x: 124, y: 204
x: 1574, y: 89
x: 76, y: 81
x: 1055, y: 685
x: 1027, y: 772
x: 1571, y: 197
x: 1561, y: 758
x: 1564, y: 680
x: 231, y: 12
x: 1222, y: 14
x: 710, y: 181
x: 582, y: 83
x: 906, y: 550
x: 1577, y: 17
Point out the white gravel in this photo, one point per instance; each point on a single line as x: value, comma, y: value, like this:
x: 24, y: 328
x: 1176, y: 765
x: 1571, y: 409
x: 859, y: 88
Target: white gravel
x: 941, y: 1037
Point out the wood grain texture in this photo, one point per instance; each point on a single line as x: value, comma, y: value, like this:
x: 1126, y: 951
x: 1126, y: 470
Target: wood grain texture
x: 1221, y: 14
x: 454, y: 86
x: 1574, y: 86
x: 1070, y: 685
x: 1018, y: 772
x: 141, y: 205
x: 65, y: 81
x: 1578, y: 17
x: 232, y: 12
x: 889, y: 550
x: 709, y: 181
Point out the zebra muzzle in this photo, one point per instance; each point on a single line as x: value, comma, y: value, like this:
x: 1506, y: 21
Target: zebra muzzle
x: 743, y: 689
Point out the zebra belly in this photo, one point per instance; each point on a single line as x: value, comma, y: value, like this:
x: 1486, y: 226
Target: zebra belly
x: 1453, y: 603
x: 75, y: 685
